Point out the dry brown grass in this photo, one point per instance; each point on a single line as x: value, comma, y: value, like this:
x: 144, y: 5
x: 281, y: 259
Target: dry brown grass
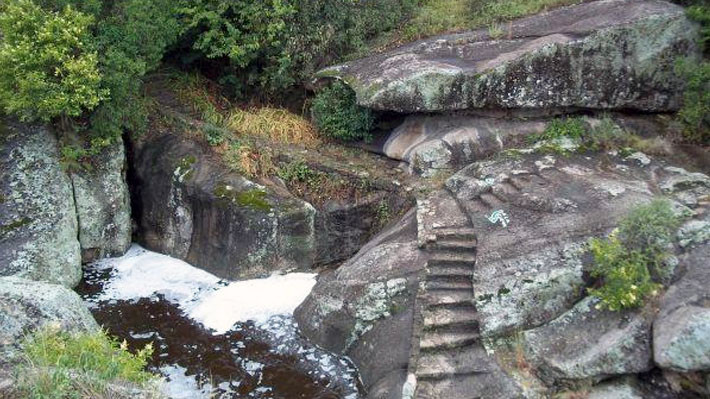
x: 277, y: 124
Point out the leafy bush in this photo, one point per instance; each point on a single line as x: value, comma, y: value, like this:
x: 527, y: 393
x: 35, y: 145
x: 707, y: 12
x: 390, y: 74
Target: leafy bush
x: 695, y: 113
x: 337, y: 115
x: 627, y: 280
x: 78, y: 365
x: 296, y: 171
x: 273, y: 45
x: 48, y: 63
x: 569, y: 127
x: 213, y: 134
x: 631, y: 262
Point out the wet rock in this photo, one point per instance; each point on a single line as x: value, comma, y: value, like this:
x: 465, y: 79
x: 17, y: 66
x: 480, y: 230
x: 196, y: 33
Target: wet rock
x: 614, y: 54
x: 191, y: 207
x: 38, y: 222
x: 587, y: 343
x: 681, y: 333
x: 364, y: 308
x: 103, y: 205
x: 26, y: 306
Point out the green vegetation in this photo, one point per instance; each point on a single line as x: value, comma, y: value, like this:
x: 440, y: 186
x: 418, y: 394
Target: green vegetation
x: 253, y: 198
x: 569, y: 127
x: 337, y: 115
x: 441, y: 16
x: 60, y: 365
x: 48, y: 65
x: 631, y: 263
x: 694, y: 116
x: 274, y: 45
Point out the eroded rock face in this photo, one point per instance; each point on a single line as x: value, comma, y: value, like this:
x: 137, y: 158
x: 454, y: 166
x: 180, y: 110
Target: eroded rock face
x: 681, y: 333
x: 191, y: 207
x: 26, y: 306
x: 588, y: 343
x: 612, y: 54
x: 533, y: 216
x: 430, y: 143
x: 38, y: 222
x: 103, y: 205
x: 364, y: 308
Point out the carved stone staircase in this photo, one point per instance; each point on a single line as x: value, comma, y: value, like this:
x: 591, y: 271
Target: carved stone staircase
x: 446, y: 348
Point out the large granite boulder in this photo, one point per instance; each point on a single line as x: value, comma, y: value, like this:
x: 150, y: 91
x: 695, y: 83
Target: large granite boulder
x: 610, y: 54
x: 533, y: 216
x: 188, y: 205
x: 103, y: 204
x: 681, y: 332
x: 364, y: 309
x: 38, y: 221
x: 588, y: 343
x: 26, y: 306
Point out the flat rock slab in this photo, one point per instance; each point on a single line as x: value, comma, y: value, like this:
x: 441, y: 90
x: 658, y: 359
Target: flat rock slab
x: 609, y: 54
x: 533, y: 215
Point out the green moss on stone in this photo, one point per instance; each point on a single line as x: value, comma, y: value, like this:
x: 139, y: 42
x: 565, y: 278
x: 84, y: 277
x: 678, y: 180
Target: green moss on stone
x: 5, y: 229
x: 253, y: 198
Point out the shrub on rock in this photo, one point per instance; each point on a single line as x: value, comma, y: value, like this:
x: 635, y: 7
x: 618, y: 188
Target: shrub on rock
x: 337, y: 115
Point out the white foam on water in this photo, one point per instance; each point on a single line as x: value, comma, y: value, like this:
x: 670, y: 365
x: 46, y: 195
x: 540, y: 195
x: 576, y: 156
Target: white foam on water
x: 255, y: 300
x: 183, y: 386
x: 143, y: 274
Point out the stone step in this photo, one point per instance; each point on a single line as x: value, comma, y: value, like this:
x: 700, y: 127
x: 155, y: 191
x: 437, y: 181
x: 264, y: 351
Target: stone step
x: 491, y: 200
x: 450, y: 318
x: 455, y: 245
x: 449, y: 283
x: 469, y: 386
x: 436, y: 298
x: 470, y: 359
x: 454, y: 270
x: 447, y: 258
x: 458, y: 233
x: 432, y: 341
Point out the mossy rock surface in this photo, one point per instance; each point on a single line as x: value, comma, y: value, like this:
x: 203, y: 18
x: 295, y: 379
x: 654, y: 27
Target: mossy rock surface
x: 38, y: 220
x: 622, y: 58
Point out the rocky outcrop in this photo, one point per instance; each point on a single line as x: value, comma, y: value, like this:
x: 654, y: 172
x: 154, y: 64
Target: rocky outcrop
x: 610, y: 54
x: 364, y: 308
x: 38, y: 222
x: 431, y: 143
x: 588, y: 343
x: 188, y: 204
x: 533, y: 215
x: 191, y: 207
x: 681, y: 333
x: 501, y: 307
x: 26, y: 306
x: 103, y: 204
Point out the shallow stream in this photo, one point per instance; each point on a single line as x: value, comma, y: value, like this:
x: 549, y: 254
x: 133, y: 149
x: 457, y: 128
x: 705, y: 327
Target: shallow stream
x: 215, y: 338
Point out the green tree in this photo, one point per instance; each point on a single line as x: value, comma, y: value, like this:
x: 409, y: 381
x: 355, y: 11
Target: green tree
x: 48, y: 64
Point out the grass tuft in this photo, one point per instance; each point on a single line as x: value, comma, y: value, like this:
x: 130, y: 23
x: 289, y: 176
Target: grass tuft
x: 59, y: 365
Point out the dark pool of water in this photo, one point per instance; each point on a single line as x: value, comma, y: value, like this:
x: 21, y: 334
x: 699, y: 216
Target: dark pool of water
x: 267, y: 361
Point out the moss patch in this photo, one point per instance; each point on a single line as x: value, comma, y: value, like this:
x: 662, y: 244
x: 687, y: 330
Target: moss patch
x: 253, y: 198
x: 5, y: 229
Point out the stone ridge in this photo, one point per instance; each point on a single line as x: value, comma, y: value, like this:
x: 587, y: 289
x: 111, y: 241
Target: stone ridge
x: 607, y: 54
